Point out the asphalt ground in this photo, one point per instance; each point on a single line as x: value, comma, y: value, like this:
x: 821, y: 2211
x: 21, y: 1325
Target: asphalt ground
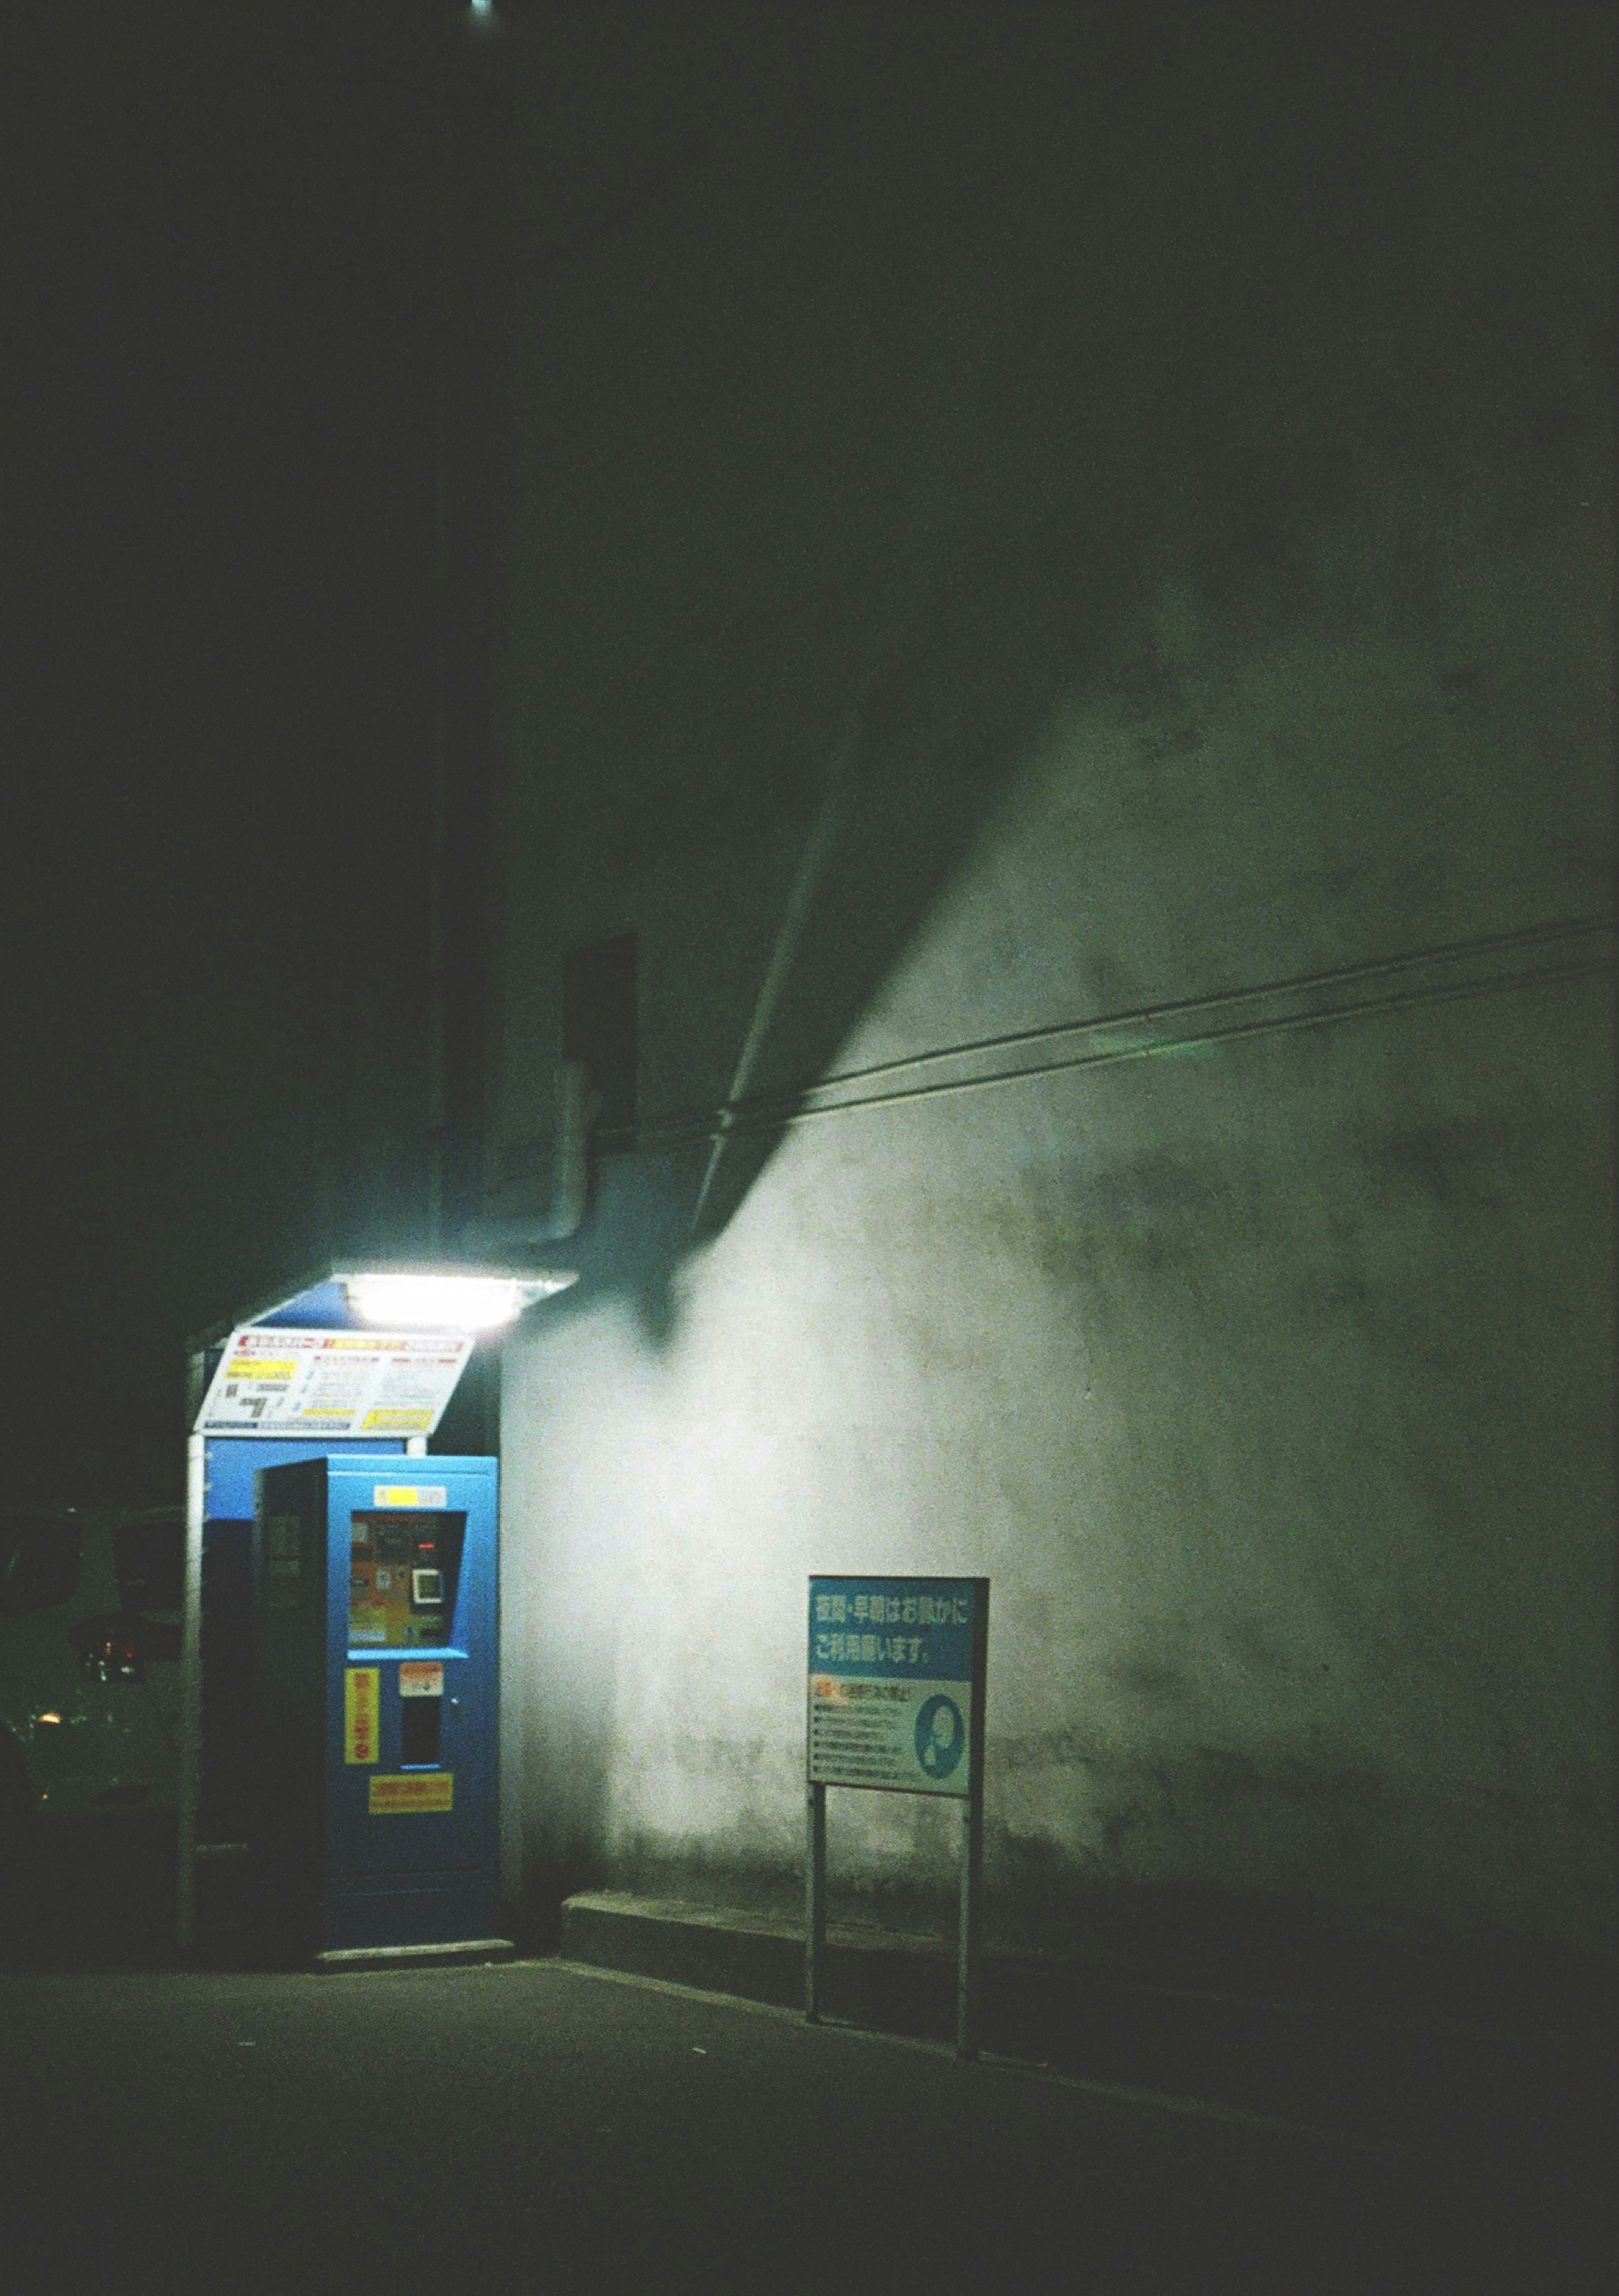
x: 542, y: 2126
x: 546, y: 2127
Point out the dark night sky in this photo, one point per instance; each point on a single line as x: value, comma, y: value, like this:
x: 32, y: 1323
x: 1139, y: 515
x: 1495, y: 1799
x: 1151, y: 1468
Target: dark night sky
x: 217, y: 296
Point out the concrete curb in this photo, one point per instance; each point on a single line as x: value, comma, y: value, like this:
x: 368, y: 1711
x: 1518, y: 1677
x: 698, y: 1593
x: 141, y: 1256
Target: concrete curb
x: 471, y: 1952
x: 1535, y: 2100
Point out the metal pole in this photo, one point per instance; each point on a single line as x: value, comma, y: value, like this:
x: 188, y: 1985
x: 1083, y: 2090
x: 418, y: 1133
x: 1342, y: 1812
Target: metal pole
x: 815, y: 1903
x: 967, y: 1942
x: 968, y: 1938
x: 190, y: 1693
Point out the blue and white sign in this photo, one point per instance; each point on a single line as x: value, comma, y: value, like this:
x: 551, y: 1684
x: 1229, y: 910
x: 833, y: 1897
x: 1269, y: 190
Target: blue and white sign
x: 895, y: 1670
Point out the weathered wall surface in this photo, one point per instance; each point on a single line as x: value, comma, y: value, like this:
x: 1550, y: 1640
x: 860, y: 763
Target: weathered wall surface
x: 1033, y: 526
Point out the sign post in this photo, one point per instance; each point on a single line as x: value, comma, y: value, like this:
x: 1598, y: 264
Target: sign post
x: 815, y: 1909
x: 897, y: 1671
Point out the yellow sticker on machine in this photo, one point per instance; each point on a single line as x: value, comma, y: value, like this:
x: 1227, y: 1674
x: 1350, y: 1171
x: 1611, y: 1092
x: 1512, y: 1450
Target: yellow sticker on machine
x: 430, y: 1789
x: 360, y: 1694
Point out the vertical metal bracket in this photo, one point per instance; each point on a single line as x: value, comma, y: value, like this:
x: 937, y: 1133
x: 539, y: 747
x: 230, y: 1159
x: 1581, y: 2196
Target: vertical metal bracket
x: 191, y: 1695
x: 966, y: 1935
x: 815, y: 1901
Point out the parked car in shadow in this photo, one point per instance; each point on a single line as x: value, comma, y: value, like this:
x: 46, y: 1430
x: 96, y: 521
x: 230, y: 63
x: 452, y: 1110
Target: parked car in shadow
x: 91, y: 1602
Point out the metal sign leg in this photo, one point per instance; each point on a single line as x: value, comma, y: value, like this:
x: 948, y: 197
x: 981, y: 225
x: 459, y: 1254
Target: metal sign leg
x: 967, y: 1940
x: 815, y: 1902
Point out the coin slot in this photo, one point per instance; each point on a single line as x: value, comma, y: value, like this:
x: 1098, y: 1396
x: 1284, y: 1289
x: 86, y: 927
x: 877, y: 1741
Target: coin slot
x: 421, y: 1733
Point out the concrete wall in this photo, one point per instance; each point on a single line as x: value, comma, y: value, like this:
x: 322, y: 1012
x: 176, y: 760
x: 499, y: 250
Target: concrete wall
x: 1034, y: 522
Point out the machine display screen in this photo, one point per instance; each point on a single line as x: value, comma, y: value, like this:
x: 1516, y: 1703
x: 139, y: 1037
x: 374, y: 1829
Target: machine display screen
x: 402, y: 1570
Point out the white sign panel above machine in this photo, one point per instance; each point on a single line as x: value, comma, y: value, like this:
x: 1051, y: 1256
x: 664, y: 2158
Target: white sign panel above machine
x: 294, y: 1381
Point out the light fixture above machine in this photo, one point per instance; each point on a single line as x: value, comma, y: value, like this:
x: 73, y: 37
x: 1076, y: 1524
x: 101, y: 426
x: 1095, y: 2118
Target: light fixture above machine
x: 448, y: 1299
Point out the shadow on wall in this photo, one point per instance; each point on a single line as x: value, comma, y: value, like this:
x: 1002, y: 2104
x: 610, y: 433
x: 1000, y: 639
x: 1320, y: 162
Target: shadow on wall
x: 1296, y: 278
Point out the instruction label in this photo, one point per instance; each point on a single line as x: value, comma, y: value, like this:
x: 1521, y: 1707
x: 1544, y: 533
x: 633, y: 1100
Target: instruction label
x: 398, y: 1797
x: 361, y: 1689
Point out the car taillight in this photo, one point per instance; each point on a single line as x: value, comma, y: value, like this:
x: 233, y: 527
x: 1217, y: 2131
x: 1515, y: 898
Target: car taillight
x: 114, y: 1658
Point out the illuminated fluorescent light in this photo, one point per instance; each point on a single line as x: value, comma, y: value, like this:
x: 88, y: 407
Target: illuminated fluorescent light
x: 402, y: 1300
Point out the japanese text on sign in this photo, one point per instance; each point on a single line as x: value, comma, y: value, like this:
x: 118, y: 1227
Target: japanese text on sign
x: 891, y: 1709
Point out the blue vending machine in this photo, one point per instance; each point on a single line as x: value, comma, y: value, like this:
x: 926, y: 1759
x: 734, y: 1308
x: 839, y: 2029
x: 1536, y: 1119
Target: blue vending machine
x: 374, y: 1708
